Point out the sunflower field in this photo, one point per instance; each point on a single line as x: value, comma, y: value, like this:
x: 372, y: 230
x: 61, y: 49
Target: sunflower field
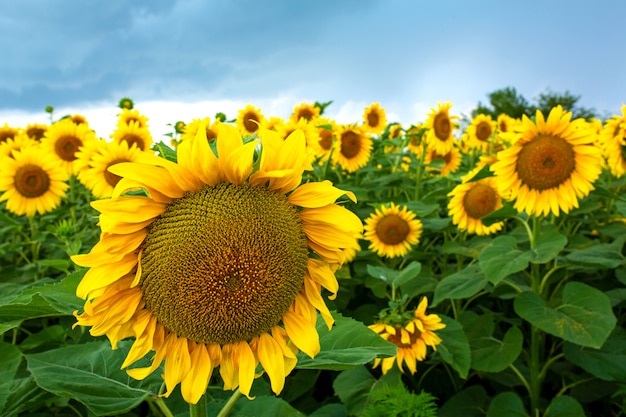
x: 261, y: 266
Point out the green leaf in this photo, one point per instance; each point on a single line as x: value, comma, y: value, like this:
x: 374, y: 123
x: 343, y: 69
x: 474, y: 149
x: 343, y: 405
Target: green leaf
x: 564, y: 406
x: 462, y: 284
x: 492, y: 355
x: 409, y: 272
x: 387, y: 275
x: 548, y: 245
x: 22, y: 395
x: 330, y: 410
x: 584, y: 316
x: 90, y: 373
x: 503, y: 258
x: 506, y: 212
x: 454, y: 348
x: 470, y: 402
x: 10, y: 359
x: 608, y: 362
x: 350, y: 343
x: 507, y: 404
x: 353, y: 387
x: 265, y: 406
x: 598, y: 256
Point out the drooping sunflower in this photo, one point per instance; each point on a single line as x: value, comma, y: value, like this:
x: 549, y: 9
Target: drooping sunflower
x: 392, y: 230
x: 412, y: 339
x: 480, y: 132
x: 451, y: 160
x: 212, y: 268
x: 613, y: 139
x: 133, y: 134
x: 32, y: 181
x: 128, y: 116
x: 304, y: 111
x: 470, y: 201
x: 190, y: 131
x: 353, y: 149
x: 249, y: 120
x: 36, y: 131
x: 64, y: 138
x: 95, y: 174
x: 7, y: 132
x: 374, y: 119
x: 552, y: 163
x: 441, y: 126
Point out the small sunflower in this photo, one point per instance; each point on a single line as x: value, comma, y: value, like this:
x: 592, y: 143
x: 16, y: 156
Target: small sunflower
x: 471, y: 201
x: 441, y: 126
x: 451, y: 160
x: 96, y: 176
x: 305, y: 111
x: 392, y: 231
x: 613, y: 139
x: 128, y: 116
x: 133, y: 134
x: 480, y: 132
x: 212, y: 267
x: 21, y: 140
x: 32, y: 181
x: 249, y: 120
x: 395, y: 131
x: 353, y: 148
x: 374, y: 119
x: 412, y: 339
x: 190, y: 131
x: 416, y: 137
x: 78, y: 119
x: 273, y: 123
x: 552, y: 163
x: 327, y: 131
x: 7, y: 132
x: 36, y: 131
x: 506, y: 123
x: 310, y: 134
x: 64, y: 138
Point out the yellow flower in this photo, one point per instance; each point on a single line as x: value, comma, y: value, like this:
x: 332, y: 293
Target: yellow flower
x: 79, y: 119
x: 613, y: 139
x: 480, y: 132
x: 327, y: 132
x: 19, y: 141
x: 441, y: 127
x: 471, y: 201
x: 353, y: 148
x: 412, y: 339
x: 552, y: 163
x: 304, y: 111
x: 392, y: 231
x: 374, y: 119
x: 32, y: 181
x: 36, y: 131
x: 128, y: 116
x: 416, y: 135
x: 249, y: 120
x: 190, y: 130
x: 7, y: 132
x: 133, y: 134
x: 64, y: 138
x: 451, y: 160
x: 211, y: 268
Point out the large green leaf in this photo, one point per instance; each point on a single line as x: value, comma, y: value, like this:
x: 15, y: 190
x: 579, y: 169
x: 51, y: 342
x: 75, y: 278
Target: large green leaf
x: 503, y: 258
x: 583, y: 317
x: 90, y: 373
x: 10, y: 359
x: 463, y: 284
x: 564, y: 406
x: 548, y: 245
x: 507, y: 404
x: 608, y: 362
x: 598, y: 255
x: 469, y: 402
x: 350, y: 343
x: 264, y: 406
x: 490, y: 354
x: 353, y: 387
x: 21, y: 395
x: 454, y: 348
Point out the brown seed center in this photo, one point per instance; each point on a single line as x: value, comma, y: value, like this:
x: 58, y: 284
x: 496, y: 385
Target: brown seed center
x: 479, y: 201
x: 251, y: 122
x: 546, y: 162
x: 31, y: 181
x: 392, y: 229
x: 67, y: 146
x: 442, y: 126
x: 350, y: 144
x: 483, y: 131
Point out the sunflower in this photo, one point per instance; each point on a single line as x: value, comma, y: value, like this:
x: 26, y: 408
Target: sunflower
x: 273, y: 122
x: 471, y: 201
x: 304, y: 111
x: 326, y: 130
x: 133, y: 134
x: 354, y: 148
x: 7, y: 132
x: 127, y: 116
x: 395, y: 131
x: 36, y: 131
x: 311, y: 135
x: 96, y: 176
x: 249, y: 120
x: 412, y: 338
x: 78, y: 119
x: 480, y: 132
x: 613, y: 138
x: 415, y: 135
x: 19, y: 141
x: 440, y: 128
x: 32, y: 181
x: 64, y: 138
x: 374, y: 119
x: 551, y: 164
x: 392, y: 231
x: 191, y: 129
x: 505, y: 123
x: 451, y: 160
x: 212, y: 267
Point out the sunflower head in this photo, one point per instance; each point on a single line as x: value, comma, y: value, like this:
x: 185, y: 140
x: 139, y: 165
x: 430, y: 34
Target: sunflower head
x: 480, y: 132
x: 249, y: 120
x: 128, y: 116
x: 613, y: 142
x: 78, y: 119
x: 451, y: 160
x: 354, y: 148
x: 133, y: 134
x: 374, y: 119
x: 392, y: 230
x: 64, y: 139
x: 36, y: 131
x: 441, y: 126
x: 190, y: 130
x: 306, y: 111
x: 7, y: 132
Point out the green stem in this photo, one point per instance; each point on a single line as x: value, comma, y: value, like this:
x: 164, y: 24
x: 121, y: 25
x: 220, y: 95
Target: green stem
x: 225, y: 411
x: 535, y: 333
x: 420, y: 170
x: 159, y: 402
x: 520, y: 376
x: 198, y: 409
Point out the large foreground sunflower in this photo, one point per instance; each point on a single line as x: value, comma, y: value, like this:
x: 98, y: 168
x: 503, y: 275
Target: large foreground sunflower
x: 412, y: 338
x: 552, y: 163
x: 392, y: 230
x: 32, y: 181
x: 213, y: 267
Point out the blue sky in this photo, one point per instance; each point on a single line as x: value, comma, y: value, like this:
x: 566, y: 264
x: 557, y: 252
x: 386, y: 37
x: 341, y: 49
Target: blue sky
x: 190, y: 58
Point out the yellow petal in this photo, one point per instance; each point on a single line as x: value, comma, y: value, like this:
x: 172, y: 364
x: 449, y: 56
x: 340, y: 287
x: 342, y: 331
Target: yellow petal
x: 247, y: 365
x: 302, y: 332
x: 227, y: 368
x: 177, y: 363
x: 194, y: 385
x: 317, y: 194
x: 130, y: 208
x: 154, y: 177
x: 270, y: 355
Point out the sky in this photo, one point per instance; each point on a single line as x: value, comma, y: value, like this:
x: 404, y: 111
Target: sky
x: 185, y: 59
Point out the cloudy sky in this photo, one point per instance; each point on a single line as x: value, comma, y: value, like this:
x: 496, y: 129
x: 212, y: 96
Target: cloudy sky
x: 190, y: 58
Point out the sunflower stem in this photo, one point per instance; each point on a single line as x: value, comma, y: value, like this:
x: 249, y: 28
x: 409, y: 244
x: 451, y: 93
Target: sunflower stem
x: 198, y: 409
x: 225, y: 411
